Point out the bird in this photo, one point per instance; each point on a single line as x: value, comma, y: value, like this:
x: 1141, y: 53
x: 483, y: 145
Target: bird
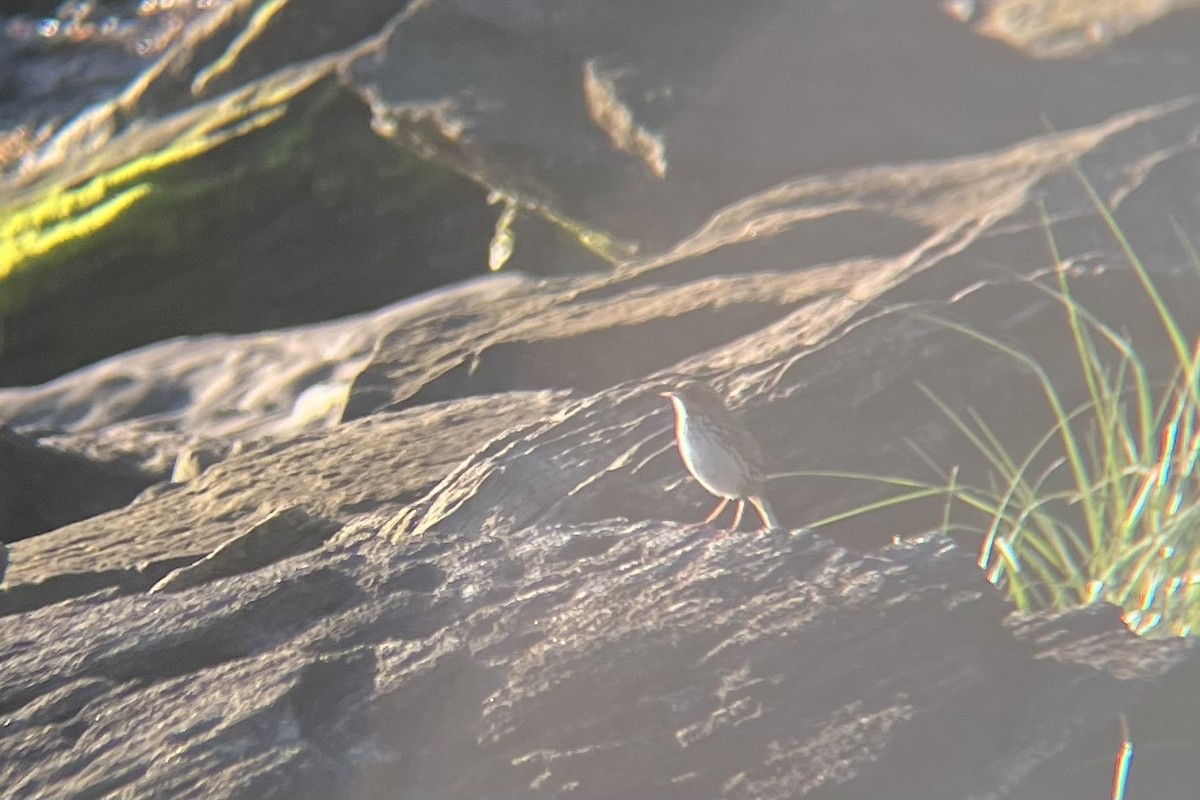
x: 719, y: 451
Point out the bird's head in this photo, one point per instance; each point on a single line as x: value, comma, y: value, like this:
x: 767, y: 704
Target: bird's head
x: 695, y: 396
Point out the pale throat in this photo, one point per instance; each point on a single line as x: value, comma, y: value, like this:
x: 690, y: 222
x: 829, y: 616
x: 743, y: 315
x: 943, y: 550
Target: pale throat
x: 681, y: 416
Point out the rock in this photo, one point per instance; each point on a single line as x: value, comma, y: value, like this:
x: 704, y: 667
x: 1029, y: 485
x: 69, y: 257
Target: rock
x: 403, y: 120
x: 283, y: 534
x: 482, y: 624
x: 198, y: 456
x: 609, y: 659
x: 443, y: 549
x: 42, y: 488
x: 380, y: 462
x: 153, y: 404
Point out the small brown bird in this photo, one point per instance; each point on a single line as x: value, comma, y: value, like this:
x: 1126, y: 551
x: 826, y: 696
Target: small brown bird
x: 719, y: 451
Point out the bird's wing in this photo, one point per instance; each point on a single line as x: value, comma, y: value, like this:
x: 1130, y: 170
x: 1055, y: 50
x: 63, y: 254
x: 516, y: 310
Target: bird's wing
x: 747, y: 447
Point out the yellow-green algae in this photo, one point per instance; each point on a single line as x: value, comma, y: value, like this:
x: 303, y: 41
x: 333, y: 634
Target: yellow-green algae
x: 61, y: 212
x: 42, y: 220
x: 63, y: 215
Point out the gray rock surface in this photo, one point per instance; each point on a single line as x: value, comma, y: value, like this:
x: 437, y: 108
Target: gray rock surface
x: 443, y: 549
x: 609, y: 660
x: 404, y: 118
x: 43, y: 487
x: 505, y: 609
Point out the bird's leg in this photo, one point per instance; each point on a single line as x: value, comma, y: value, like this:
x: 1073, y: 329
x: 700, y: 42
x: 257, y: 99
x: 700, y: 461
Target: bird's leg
x: 770, y: 521
x: 737, y: 516
x: 716, y: 511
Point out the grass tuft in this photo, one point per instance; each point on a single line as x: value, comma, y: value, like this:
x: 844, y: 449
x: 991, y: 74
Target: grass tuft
x: 1126, y: 530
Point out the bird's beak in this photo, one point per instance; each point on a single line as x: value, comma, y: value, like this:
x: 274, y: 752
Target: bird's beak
x: 667, y: 395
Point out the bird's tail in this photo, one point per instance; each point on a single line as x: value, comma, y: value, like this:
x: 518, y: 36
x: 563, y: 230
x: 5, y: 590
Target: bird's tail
x: 766, y: 512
